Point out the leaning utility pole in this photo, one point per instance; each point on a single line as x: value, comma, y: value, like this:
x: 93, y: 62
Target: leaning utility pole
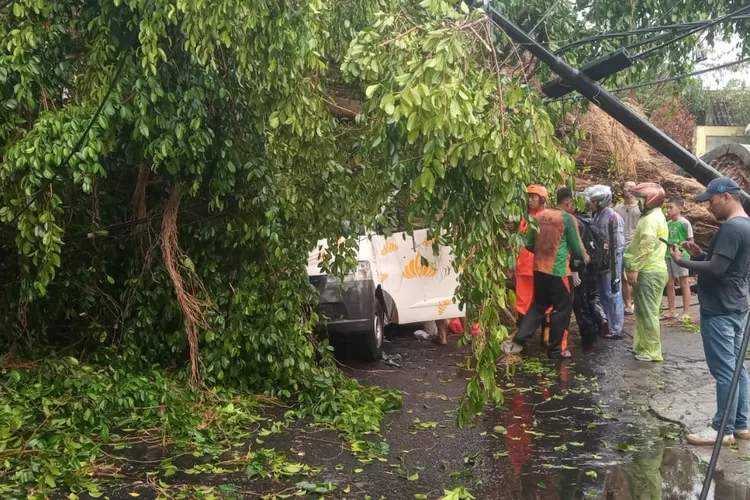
x: 595, y: 93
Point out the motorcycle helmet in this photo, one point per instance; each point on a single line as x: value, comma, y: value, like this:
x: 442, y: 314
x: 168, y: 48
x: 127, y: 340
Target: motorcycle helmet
x: 538, y: 190
x: 600, y: 193
x: 649, y: 194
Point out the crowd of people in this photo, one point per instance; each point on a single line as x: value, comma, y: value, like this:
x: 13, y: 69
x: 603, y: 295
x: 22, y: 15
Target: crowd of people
x: 600, y: 262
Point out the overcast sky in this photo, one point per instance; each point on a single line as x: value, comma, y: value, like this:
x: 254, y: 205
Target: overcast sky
x: 724, y: 52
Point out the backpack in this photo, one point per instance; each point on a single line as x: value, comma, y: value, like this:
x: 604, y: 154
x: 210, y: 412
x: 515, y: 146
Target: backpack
x: 596, y: 243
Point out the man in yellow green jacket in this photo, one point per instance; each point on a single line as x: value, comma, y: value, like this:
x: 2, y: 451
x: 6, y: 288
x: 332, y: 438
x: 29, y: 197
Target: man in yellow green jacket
x: 647, y: 270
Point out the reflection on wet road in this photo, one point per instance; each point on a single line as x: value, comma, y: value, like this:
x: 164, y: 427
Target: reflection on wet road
x: 580, y: 429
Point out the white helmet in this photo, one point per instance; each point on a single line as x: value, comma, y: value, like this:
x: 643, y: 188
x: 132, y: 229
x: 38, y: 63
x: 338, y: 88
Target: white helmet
x: 600, y: 193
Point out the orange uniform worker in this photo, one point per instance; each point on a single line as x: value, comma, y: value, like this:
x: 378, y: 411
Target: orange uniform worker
x: 525, y: 262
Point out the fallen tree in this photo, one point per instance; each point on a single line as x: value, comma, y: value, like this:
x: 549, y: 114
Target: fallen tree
x: 174, y: 239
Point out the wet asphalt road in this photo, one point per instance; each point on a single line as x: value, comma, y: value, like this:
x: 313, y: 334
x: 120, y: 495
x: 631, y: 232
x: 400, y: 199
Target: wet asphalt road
x: 568, y: 430
x: 599, y: 426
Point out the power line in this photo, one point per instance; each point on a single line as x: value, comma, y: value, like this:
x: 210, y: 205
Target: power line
x: 682, y: 77
x: 191, y: 220
x: 678, y: 2
x: 711, y: 24
x: 82, y: 138
x: 647, y: 41
x: 545, y: 15
x: 663, y: 80
x: 641, y: 31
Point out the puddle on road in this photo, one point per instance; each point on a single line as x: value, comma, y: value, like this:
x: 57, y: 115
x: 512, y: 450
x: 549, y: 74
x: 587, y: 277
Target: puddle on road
x: 563, y: 439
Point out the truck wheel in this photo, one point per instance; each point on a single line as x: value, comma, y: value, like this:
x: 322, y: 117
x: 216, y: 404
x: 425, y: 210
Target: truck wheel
x: 373, y: 338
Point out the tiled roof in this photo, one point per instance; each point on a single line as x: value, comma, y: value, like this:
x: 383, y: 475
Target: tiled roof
x: 720, y: 113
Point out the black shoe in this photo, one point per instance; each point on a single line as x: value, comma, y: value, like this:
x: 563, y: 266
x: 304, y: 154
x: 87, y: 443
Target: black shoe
x: 611, y: 336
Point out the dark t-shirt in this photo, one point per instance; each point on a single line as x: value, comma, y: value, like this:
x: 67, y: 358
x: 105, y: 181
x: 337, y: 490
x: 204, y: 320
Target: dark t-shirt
x: 727, y: 294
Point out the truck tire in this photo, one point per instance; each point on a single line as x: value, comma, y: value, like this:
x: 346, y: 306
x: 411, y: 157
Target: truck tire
x: 373, y: 338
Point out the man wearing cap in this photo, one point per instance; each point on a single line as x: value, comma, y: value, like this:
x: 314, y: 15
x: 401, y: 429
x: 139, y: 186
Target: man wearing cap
x: 525, y: 262
x: 723, y: 293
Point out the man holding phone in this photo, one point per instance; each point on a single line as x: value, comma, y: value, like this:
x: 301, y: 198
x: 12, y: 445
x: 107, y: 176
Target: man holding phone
x: 723, y: 293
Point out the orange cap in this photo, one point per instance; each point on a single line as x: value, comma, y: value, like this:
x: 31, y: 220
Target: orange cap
x: 538, y: 190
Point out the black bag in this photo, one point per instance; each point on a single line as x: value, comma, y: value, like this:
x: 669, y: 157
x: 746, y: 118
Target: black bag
x: 596, y: 243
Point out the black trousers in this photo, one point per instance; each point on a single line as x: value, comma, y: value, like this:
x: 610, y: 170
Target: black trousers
x: 587, y: 307
x: 549, y: 291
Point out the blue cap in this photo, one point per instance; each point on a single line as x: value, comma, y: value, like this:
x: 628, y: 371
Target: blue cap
x: 719, y: 185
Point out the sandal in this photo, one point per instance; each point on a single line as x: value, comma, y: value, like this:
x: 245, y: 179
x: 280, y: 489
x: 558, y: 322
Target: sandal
x: 563, y: 355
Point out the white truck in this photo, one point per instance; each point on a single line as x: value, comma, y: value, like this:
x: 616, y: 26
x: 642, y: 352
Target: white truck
x: 399, y: 279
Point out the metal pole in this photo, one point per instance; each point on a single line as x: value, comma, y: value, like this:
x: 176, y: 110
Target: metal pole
x: 739, y: 363
x: 594, y: 92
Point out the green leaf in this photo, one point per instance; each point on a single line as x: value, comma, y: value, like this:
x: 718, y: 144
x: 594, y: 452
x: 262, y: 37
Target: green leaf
x: 455, y: 109
x: 370, y: 91
x: 188, y: 263
x: 427, y: 180
x: 411, y: 123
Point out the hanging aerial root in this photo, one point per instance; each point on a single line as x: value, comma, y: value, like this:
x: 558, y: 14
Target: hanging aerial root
x: 142, y: 231
x: 188, y: 292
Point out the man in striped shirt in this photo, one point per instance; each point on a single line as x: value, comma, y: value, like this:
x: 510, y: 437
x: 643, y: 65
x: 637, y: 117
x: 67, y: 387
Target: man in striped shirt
x: 557, y: 239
